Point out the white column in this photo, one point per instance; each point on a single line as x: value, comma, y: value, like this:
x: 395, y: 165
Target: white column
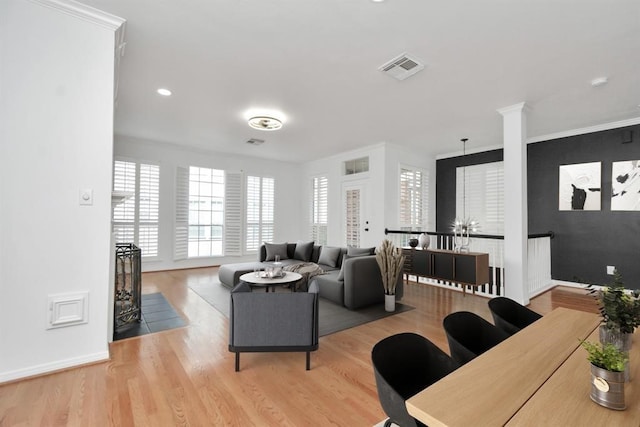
x: 515, y: 202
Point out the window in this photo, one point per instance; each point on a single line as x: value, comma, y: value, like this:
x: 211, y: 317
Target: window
x: 355, y: 166
x: 482, y: 198
x: 206, y: 212
x: 259, y: 219
x: 413, y: 199
x: 319, y: 210
x: 136, y: 219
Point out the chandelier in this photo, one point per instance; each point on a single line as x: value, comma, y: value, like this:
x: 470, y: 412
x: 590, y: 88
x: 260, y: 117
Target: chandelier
x: 463, y: 226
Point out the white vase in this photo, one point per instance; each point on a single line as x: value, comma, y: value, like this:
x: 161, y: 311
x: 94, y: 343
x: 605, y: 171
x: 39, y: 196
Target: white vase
x: 424, y: 240
x: 389, y: 302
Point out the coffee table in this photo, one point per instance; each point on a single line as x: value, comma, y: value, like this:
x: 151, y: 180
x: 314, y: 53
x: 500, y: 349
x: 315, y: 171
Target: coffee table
x: 269, y: 283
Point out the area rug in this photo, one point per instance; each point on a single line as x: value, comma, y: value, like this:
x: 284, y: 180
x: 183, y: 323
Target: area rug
x: 332, y: 317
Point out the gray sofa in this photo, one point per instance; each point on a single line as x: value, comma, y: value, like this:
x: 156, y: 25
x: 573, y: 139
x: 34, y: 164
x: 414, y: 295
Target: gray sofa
x: 351, y: 275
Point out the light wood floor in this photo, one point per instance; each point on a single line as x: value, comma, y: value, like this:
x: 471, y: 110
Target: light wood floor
x: 185, y: 376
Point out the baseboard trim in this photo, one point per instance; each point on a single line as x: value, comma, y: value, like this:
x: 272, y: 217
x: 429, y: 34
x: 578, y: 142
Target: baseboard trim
x: 50, y: 368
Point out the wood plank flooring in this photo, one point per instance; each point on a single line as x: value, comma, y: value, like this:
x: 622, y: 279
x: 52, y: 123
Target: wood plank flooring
x: 185, y: 376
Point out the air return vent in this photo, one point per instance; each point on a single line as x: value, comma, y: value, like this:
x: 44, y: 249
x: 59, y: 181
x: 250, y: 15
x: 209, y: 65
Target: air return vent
x: 255, y: 141
x: 402, y: 67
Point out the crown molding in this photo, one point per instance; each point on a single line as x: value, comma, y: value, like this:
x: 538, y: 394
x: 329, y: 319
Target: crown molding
x: 84, y: 12
x: 520, y: 107
x: 582, y: 131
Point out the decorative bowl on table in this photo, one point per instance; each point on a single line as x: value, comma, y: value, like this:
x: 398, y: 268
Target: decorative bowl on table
x: 413, y: 242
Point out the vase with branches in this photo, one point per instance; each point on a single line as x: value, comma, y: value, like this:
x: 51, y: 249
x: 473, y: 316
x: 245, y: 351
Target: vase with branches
x: 390, y: 260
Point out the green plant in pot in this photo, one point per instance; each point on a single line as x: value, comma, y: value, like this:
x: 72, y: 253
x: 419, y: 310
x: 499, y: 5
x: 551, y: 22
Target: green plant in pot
x: 607, y: 374
x: 390, y: 260
x: 620, y: 311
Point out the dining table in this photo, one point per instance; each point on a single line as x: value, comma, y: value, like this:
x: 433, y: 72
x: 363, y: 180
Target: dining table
x: 540, y: 376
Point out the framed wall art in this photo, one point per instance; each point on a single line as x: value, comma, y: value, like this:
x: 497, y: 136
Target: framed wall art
x: 580, y: 187
x: 625, y: 186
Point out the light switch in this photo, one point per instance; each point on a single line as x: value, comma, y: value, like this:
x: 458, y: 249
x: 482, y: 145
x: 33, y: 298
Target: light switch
x: 86, y: 197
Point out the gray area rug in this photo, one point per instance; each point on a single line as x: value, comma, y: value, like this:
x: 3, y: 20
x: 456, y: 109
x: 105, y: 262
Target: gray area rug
x: 332, y: 317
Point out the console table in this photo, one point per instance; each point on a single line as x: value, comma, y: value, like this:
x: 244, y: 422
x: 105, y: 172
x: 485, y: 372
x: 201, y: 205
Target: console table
x: 465, y: 268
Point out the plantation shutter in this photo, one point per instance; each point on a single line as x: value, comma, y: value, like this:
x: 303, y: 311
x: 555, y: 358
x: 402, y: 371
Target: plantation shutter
x: 268, y: 205
x: 124, y: 214
x: 233, y: 214
x: 484, y: 201
x: 149, y: 198
x: 181, y: 242
x: 414, y: 186
x: 253, y: 214
x: 319, y: 210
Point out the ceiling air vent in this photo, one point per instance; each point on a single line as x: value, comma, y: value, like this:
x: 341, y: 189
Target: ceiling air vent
x: 402, y: 67
x: 255, y: 141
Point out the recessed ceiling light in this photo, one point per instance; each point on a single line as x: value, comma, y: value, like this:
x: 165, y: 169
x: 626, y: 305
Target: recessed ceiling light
x: 164, y: 92
x: 599, y: 81
x: 377, y: 1
x: 265, y: 123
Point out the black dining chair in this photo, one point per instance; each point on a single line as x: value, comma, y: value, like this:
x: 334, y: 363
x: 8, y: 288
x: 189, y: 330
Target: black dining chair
x: 511, y: 316
x: 469, y: 335
x: 404, y: 364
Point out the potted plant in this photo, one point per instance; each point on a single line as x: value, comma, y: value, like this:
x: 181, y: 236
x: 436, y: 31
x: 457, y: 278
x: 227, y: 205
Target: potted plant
x: 607, y: 374
x: 390, y: 260
x: 620, y: 311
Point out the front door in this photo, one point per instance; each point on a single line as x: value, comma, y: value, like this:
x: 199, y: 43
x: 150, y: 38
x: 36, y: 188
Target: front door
x: 354, y: 223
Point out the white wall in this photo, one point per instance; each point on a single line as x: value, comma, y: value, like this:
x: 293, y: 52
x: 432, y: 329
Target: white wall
x: 289, y: 199
x: 382, y: 188
x: 395, y: 158
x: 56, y: 105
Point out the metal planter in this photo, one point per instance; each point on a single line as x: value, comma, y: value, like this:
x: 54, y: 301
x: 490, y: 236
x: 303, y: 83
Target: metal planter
x: 607, y: 388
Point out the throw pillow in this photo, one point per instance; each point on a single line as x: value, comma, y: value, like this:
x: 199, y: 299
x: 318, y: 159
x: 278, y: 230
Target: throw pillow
x: 344, y: 258
x: 274, y: 249
x: 329, y: 256
x: 360, y: 251
x: 303, y: 251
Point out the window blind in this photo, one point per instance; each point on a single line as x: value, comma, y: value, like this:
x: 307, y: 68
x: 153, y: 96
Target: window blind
x: 484, y: 201
x: 319, y: 209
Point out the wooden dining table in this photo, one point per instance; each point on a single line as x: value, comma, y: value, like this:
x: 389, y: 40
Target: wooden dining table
x: 537, y: 377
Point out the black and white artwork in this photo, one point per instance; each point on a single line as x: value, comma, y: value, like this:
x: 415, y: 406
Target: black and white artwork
x: 580, y: 187
x: 625, y: 182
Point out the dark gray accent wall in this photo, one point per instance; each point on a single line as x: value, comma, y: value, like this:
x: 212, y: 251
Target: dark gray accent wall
x: 585, y: 242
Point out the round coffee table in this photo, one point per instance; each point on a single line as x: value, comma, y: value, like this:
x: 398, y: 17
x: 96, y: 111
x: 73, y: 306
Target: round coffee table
x: 269, y: 283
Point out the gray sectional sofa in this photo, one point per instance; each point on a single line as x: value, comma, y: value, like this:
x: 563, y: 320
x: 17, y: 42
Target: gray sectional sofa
x: 351, y: 276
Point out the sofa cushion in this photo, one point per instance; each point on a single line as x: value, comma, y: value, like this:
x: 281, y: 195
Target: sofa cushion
x: 303, y: 251
x: 341, y: 274
x: 360, y: 251
x: 355, y: 252
x: 330, y: 287
x: 274, y: 249
x: 329, y: 256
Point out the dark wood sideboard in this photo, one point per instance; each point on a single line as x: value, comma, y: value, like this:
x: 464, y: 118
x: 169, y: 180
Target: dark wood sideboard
x: 465, y: 268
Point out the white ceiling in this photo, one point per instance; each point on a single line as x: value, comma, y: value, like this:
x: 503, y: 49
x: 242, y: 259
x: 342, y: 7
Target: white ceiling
x: 317, y: 62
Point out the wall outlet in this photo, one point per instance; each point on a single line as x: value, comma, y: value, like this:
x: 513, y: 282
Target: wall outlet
x: 610, y: 269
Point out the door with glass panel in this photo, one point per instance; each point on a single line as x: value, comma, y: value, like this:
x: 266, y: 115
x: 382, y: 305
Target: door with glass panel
x: 354, y: 223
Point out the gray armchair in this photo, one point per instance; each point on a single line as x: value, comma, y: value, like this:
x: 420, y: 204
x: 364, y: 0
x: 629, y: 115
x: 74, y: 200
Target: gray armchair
x: 273, y: 321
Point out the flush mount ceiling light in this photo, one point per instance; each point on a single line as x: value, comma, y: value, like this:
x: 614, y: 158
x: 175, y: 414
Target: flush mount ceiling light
x: 164, y: 92
x: 265, y: 123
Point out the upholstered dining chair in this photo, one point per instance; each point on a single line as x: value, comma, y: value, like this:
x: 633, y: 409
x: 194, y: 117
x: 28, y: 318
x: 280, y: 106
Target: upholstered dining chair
x: 511, y: 316
x: 469, y: 335
x: 405, y: 364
